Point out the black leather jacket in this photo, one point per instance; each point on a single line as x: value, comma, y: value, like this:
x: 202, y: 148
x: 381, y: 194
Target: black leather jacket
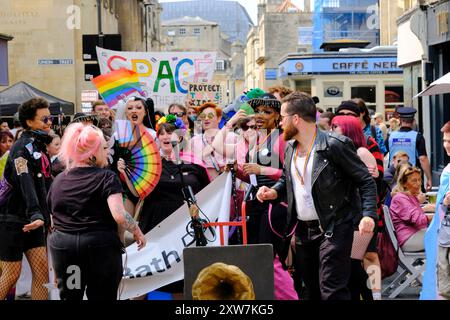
x: 24, y: 172
x: 338, y: 174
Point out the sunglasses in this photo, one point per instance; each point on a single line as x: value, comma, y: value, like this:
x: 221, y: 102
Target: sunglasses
x: 178, y: 114
x: 334, y: 126
x: 244, y: 127
x: 264, y: 112
x: 348, y: 114
x: 47, y: 119
x: 203, y: 116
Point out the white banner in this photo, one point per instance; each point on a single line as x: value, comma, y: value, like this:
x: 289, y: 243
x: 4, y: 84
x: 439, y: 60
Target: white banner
x: 161, y: 261
x: 164, y: 76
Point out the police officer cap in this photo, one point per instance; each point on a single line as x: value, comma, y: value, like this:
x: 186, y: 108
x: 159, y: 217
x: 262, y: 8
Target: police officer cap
x: 406, y: 112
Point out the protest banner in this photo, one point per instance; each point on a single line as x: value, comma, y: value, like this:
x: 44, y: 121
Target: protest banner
x: 161, y: 261
x: 163, y: 76
x: 205, y: 92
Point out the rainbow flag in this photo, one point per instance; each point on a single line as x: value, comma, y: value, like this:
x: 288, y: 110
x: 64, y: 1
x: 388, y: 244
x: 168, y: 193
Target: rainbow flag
x: 117, y: 85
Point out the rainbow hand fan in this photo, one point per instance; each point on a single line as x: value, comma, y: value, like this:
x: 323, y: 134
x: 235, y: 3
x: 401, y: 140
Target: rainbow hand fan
x: 140, y: 152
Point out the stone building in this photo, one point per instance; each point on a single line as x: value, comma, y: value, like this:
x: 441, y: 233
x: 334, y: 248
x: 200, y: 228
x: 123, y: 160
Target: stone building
x: 54, y: 41
x: 276, y: 35
x: 423, y: 49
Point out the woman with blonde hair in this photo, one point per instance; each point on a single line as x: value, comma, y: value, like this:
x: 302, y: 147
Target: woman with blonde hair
x: 409, y: 218
x: 89, y: 217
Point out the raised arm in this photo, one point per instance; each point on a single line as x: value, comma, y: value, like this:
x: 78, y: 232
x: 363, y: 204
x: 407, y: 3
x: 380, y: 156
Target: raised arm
x: 121, y: 167
x: 124, y: 219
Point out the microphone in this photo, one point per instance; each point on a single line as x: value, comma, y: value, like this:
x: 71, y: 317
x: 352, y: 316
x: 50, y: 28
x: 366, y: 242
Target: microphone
x: 176, y: 149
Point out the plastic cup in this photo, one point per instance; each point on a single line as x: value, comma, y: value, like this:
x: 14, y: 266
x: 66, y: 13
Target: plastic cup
x: 432, y: 197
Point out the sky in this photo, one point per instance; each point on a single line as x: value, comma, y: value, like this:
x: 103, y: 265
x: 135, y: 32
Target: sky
x: 250, y: 5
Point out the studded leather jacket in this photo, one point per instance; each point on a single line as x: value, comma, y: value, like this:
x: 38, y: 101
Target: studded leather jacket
x: 337, y: 176
x: 28, y: 171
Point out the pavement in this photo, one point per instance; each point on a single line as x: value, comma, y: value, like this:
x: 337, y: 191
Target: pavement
x: 410, y: 293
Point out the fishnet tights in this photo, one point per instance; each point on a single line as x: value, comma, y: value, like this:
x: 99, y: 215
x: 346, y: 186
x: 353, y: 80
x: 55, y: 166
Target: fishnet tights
x: 9, y: 277
x: 37, y: 258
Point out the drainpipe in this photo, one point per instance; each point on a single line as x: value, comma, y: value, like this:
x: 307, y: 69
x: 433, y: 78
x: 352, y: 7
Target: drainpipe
x: 99, y: 19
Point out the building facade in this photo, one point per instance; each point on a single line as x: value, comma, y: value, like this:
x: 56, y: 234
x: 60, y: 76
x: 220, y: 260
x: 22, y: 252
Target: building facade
x: 424, y: 46
x: 63, y: 64
x: 231, y: 16
x: 196, y: 34
x: 278, y: 33
x: 370, y: 74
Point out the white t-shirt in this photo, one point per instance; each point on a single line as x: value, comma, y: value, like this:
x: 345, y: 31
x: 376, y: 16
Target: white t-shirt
x: 302, y: 193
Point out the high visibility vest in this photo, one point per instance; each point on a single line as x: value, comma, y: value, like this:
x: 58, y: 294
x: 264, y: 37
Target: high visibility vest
x: 403, y: 141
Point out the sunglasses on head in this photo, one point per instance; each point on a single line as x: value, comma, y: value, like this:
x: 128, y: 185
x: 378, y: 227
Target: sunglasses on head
x: 178, y: 114
x: 203, y: 116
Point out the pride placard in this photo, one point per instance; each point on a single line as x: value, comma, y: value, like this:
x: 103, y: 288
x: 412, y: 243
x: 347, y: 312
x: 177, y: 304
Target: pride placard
x: 163, y: 76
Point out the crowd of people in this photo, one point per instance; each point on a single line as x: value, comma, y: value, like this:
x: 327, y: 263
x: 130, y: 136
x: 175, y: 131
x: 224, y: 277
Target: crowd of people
x: 315, y: 181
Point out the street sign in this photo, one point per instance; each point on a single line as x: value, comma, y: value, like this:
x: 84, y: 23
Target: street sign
x: 48, y: 62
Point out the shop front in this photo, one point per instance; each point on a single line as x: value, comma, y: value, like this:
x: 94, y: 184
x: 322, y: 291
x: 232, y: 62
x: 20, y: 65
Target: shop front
x: 372, y: 75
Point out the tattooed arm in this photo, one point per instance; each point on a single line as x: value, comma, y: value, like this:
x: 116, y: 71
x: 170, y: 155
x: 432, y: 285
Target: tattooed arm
x: 124, y: 220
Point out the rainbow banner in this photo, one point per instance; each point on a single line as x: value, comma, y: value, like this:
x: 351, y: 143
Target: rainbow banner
x: 117, y: 85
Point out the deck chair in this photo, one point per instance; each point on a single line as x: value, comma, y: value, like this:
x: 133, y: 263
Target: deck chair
x: 410, y: 264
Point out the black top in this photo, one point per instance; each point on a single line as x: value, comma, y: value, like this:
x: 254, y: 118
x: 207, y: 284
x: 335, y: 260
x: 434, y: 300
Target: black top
x: 78, y: 200
x: 267, y: 156
x: 420, y: 142
x: 167, y: 197
x: 28, y: 171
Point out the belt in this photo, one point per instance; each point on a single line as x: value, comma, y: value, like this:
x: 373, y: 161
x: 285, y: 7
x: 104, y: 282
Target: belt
x: 311, y: 223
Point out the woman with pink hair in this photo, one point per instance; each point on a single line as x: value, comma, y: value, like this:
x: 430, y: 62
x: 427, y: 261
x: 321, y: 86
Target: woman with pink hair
x: 89, y: 218
x: 351, y: 127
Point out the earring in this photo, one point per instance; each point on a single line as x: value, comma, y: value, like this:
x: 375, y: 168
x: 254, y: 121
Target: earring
x: 93, y: 161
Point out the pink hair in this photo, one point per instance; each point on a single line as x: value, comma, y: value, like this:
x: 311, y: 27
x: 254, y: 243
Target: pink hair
x: 79, y: 143
x: 351, y: 128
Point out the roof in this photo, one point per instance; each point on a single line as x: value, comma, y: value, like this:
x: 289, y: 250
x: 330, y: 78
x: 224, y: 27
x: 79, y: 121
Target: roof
x: 188, y: 21
x: 12, y: 97
x: 6, y: 37
x: 231, y: 16
x: 337, y: 44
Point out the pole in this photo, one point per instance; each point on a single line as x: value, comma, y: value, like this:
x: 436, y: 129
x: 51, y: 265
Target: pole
x: 99, y: 20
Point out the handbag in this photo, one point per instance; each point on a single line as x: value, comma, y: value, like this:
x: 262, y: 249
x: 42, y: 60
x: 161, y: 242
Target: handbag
x: 5, y: 191
x: 387, y: 254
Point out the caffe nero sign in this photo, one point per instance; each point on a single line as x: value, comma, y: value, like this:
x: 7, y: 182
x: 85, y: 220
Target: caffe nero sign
x: 357, y: 65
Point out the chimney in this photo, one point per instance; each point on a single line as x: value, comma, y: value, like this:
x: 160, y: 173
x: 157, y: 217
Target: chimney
x: 261, y: 11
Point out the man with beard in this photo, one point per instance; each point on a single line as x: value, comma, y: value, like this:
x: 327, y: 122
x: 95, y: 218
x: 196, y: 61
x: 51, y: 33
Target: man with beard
x: 322, y: 174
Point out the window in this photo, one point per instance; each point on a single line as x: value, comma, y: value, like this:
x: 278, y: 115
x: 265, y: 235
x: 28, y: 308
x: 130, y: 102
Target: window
x: 182, y: 31
x: 303, y: 86
x: 171, y: 33
x: 393, y: 98
x: 220, y: 65
x: 367, y: 93
x: 196, y: 31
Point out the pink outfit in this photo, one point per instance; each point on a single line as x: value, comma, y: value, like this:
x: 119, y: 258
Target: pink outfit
x: 407, y: 216
x: 198, y: 143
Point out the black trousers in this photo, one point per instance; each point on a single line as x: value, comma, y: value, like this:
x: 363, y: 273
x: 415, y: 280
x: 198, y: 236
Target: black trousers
x: 258, y: 227
x: 324, y: 263
x: 88, y: 261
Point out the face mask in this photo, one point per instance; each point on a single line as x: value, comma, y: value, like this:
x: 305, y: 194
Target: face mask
x: 193, y: 117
